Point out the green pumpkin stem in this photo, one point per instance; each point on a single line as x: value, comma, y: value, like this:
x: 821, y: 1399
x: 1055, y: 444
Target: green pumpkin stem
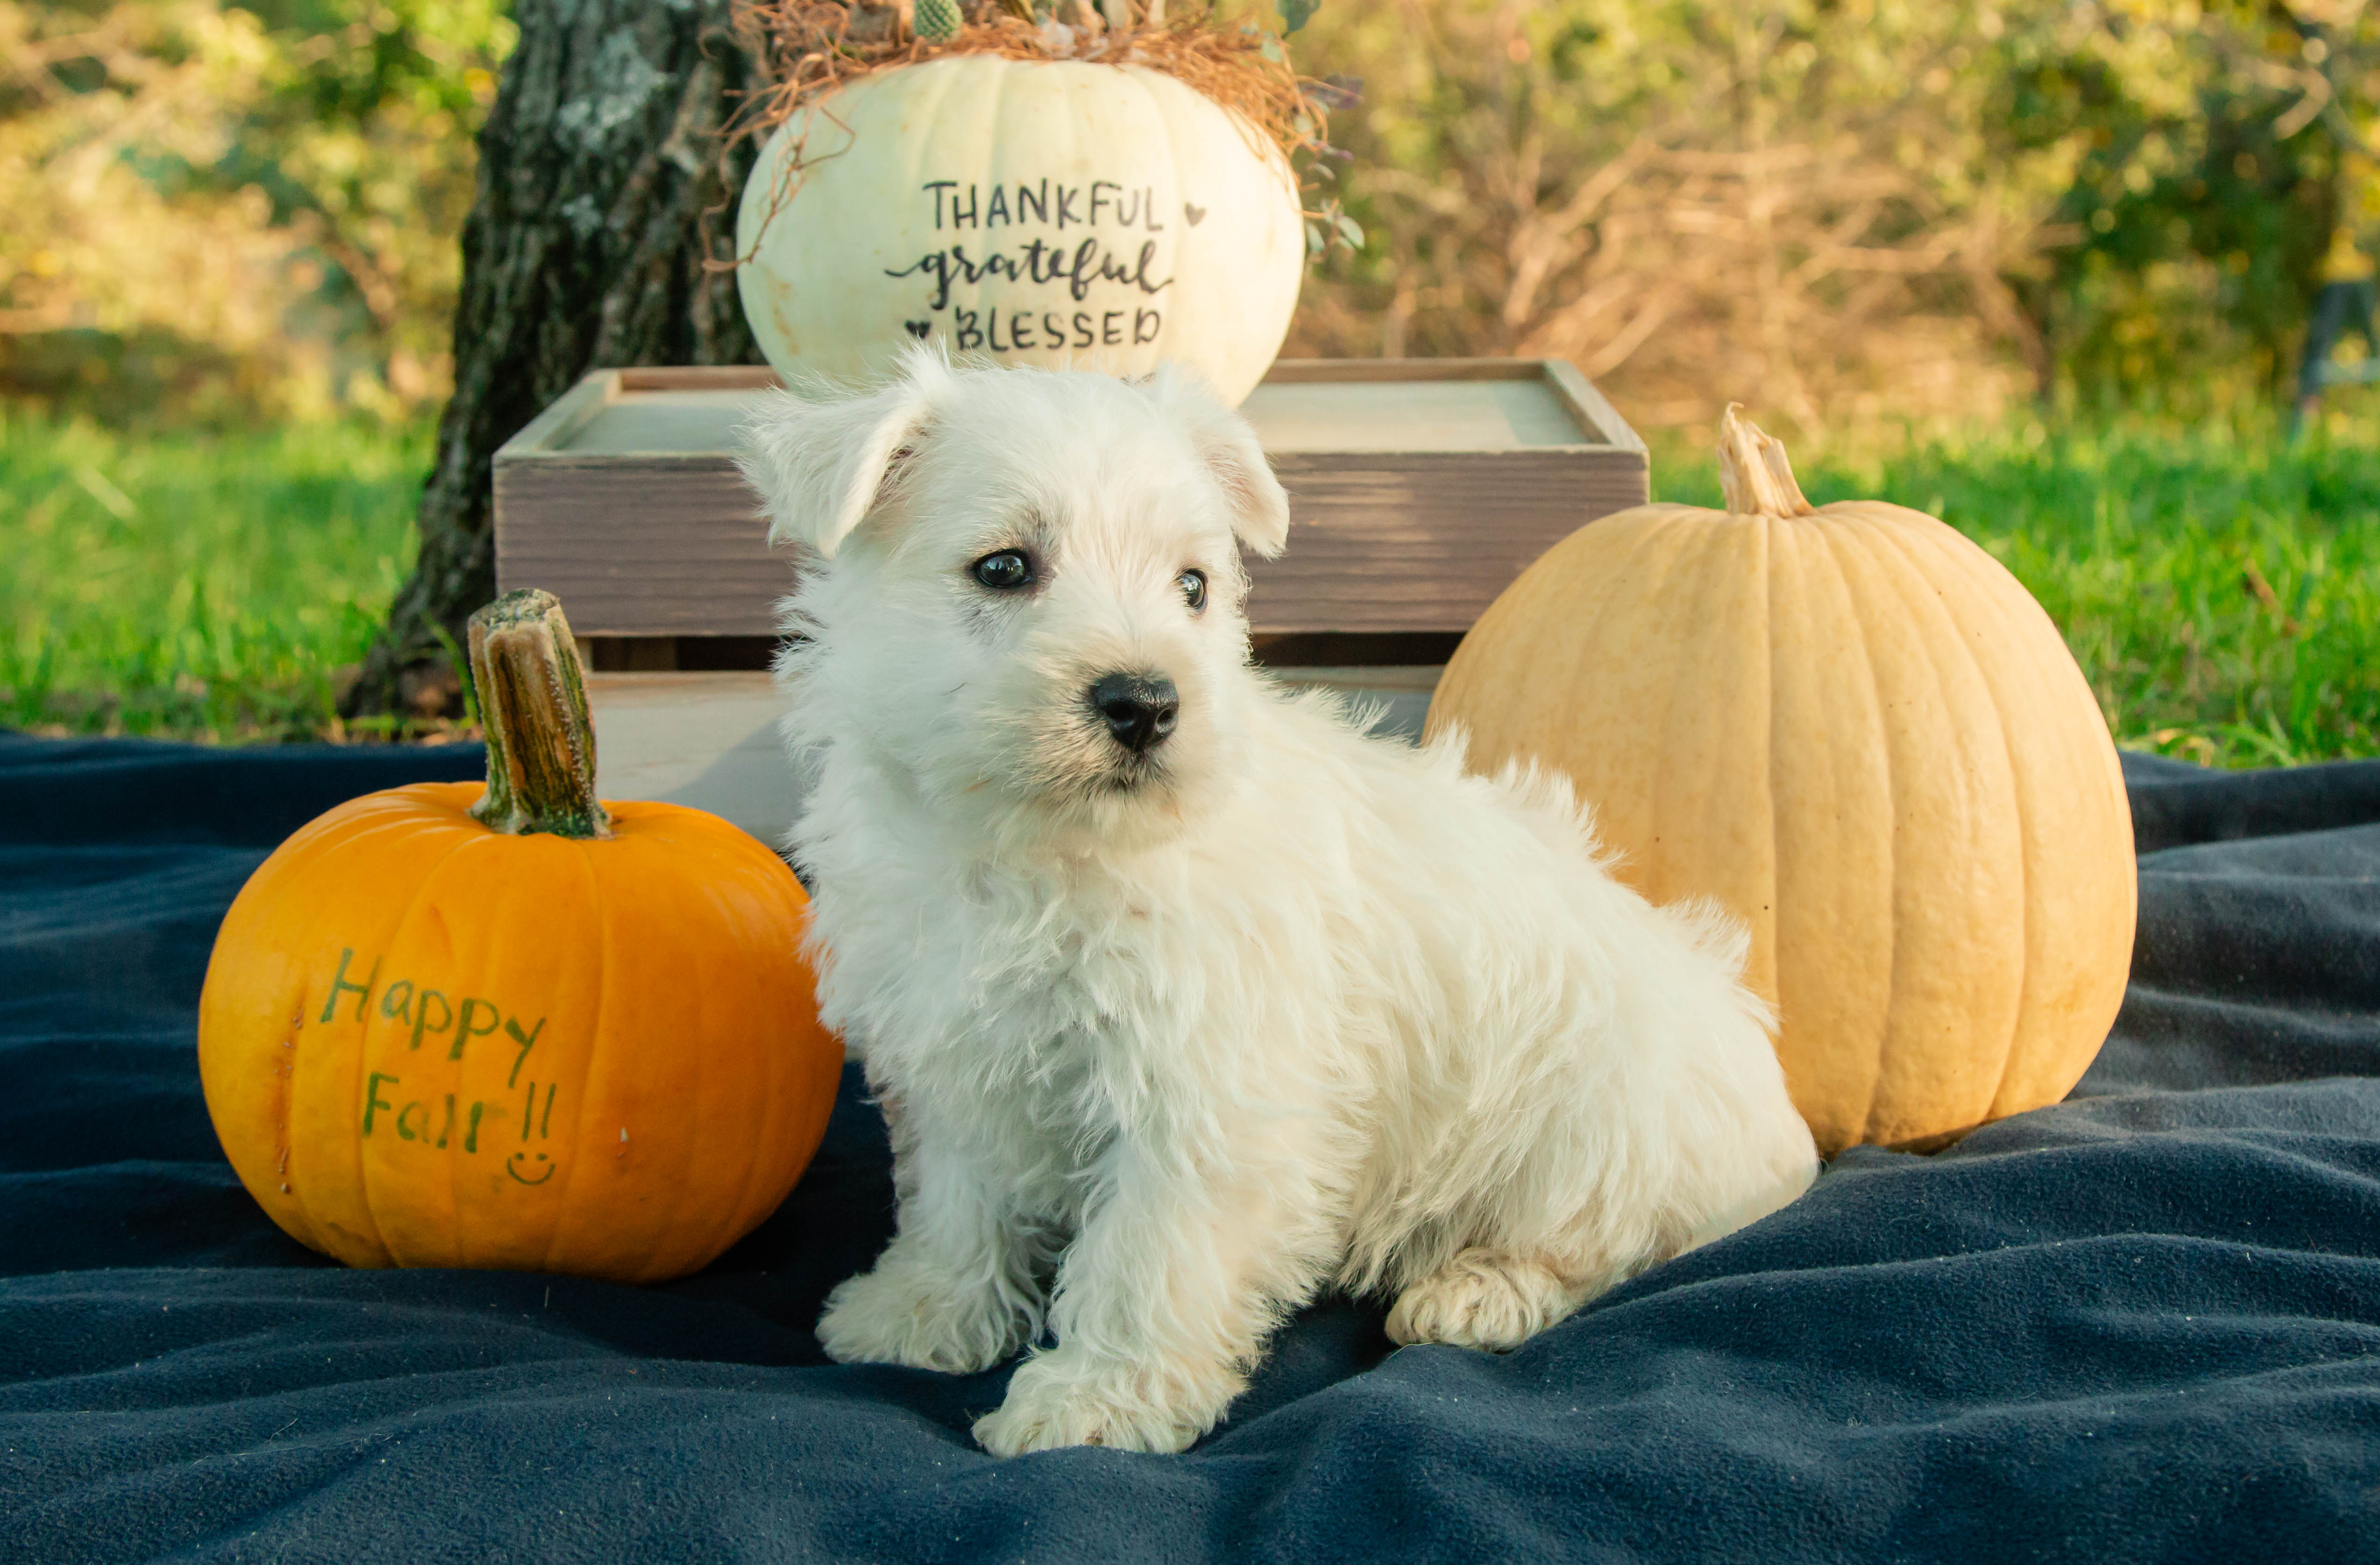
x: 533, y: 706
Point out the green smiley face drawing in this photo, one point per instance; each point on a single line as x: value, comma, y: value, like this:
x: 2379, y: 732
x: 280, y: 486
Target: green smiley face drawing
x: 530, y: 1168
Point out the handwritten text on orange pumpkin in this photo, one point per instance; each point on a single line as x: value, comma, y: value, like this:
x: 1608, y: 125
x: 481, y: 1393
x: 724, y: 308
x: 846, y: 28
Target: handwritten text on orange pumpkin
x: 429, y: 1012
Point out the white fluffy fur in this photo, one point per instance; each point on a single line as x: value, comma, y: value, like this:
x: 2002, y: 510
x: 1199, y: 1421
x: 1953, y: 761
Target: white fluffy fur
x: 1168, y: 1046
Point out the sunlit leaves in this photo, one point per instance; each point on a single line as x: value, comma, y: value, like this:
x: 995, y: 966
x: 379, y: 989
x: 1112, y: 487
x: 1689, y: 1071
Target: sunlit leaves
x: 236, y: 213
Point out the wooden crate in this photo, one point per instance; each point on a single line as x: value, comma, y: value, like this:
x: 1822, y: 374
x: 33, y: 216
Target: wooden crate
x: 1418, y: 489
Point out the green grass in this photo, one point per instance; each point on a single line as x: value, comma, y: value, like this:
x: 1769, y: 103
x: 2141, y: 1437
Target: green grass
x: 2146, y: 546
x: 195, y: 586
x: 211, y: 586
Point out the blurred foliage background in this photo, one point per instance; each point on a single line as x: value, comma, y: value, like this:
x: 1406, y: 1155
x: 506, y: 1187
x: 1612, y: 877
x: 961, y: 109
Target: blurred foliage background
x: 1845, y: 211
x: 1839, y: 210
x: 237, y: 215
x: 2044, y: 266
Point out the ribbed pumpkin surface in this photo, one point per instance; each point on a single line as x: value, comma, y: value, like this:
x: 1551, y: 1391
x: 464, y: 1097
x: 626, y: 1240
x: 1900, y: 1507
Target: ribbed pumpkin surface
x: 1853, y: 728
x: 427, y: 1043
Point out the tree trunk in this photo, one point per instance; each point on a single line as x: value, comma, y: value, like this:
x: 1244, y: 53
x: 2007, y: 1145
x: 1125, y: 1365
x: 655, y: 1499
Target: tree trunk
x: 602, y: 191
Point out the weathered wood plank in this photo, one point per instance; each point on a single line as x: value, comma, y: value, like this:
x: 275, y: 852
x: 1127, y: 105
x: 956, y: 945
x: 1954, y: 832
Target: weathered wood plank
x: 641, y: 545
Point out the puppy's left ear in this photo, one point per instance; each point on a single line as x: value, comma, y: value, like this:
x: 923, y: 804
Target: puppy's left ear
x: 1228, y: 447
x: 821, y: 465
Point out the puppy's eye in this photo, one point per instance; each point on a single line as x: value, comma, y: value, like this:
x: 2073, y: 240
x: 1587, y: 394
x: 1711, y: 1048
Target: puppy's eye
x: 1194, y: 588
x: 1004, y: 571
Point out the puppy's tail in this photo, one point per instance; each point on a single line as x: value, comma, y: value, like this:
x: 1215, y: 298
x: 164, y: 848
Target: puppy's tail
x: 1712, y: 930
x: 1567, y: 819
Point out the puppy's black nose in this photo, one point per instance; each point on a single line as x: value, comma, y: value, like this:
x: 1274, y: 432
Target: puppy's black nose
x: 1139, y: 708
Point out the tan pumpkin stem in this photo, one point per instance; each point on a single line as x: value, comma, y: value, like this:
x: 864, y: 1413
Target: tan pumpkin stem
x: 533, y: 706
x: 1754, y: 473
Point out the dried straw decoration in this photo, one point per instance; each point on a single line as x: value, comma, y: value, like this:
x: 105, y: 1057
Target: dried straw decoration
x: 806, y: 49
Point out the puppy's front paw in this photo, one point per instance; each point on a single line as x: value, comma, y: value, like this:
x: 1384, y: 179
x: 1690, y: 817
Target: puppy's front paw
x: 1481, y: 1299
x: 1063, y: 1399
x: 906, y: 1314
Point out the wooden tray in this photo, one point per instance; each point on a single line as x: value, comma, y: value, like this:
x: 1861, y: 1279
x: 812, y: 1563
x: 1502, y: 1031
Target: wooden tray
x: 1418, y: 489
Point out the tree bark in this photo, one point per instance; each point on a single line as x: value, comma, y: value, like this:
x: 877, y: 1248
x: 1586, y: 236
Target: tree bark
x: 602, y: 191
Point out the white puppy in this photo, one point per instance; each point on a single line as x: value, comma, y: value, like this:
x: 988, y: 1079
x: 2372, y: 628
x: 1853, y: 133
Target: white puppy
x: 1184, y: 999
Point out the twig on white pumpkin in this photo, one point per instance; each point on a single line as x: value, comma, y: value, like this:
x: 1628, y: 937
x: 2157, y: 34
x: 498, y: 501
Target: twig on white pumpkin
x: 1754, y: 472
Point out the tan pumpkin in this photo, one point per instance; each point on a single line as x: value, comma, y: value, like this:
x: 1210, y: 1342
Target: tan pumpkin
x: 522, y: 1030
x: 1855, y: 729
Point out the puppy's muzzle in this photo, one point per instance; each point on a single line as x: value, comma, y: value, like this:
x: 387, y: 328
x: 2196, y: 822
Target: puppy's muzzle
x: 1139, y: 708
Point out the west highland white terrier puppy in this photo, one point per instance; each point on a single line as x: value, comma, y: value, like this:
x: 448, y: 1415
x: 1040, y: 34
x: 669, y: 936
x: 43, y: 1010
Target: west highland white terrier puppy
x: 1183, y: 997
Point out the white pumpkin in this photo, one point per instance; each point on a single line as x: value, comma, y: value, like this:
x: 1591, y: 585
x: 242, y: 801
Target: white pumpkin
x: 1040, y: 212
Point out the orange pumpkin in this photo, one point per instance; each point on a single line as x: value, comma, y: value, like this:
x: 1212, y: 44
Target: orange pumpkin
x: 1856, y: 730
x: 513, y: 1026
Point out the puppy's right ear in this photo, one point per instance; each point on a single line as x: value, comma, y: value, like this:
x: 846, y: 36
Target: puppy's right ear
x: 1231, y: 453
x: 820, y: 466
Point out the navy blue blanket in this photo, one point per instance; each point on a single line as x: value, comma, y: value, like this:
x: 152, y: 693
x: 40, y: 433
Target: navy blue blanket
x: 2141, y: 1325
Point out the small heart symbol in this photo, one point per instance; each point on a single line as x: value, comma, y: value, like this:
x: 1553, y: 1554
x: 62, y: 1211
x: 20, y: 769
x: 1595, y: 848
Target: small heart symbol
x: 919, y: 329
x: 1196, y: 214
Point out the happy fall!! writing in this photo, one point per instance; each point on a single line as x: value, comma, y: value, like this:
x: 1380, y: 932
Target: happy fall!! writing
x: 439, y: 1122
